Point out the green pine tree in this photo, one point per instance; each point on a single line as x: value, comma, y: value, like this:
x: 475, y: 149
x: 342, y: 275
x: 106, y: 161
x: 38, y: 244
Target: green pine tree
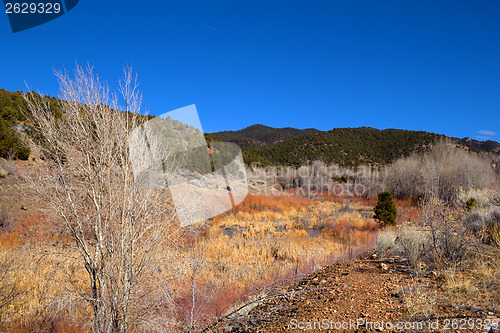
x: 385, y: 210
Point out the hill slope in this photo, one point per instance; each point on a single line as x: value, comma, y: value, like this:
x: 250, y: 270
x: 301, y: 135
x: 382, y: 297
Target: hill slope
x: 344, y: 146
x: 11, y: 145
x: 260, y: 135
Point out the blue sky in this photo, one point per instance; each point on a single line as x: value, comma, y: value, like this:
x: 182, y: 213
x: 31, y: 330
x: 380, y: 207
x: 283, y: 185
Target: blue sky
x: 423, y: 65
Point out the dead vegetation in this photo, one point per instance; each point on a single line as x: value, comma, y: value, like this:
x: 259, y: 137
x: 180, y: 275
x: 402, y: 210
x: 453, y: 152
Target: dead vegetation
x: 459, y: 246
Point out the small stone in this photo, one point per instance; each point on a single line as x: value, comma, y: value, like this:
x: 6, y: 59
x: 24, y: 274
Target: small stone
x: 384, y: 267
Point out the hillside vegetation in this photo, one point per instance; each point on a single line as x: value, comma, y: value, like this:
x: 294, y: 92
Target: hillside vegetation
x: 342, y: 146
x: 11, y: 145
x: 260, y: 135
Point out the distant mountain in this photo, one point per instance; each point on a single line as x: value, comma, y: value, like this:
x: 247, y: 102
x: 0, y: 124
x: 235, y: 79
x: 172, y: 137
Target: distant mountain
x: 489, y: 145
x: 260, y: 135
x: 344, y: 146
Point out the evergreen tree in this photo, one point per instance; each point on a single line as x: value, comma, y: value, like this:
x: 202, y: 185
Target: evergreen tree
x: 385, y: 210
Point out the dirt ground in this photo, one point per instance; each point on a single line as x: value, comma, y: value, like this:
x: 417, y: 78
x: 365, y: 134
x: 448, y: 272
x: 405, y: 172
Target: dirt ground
x: 365, y: 296
x: 15, y: 205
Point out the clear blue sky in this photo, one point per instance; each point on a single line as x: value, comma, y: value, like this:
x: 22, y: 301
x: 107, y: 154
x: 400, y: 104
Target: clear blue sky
x: 424, y: 65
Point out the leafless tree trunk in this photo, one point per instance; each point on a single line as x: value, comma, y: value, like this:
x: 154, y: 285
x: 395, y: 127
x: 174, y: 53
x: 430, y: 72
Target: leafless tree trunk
x: 122, y: 233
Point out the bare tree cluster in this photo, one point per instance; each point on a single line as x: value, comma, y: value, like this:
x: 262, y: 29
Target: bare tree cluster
x: 318, y: 177
x: 439, y: 173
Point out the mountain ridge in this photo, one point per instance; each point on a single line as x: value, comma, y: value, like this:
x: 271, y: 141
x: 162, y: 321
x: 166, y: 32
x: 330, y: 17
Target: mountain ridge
x: 259, y: 135
x: 345, y: 146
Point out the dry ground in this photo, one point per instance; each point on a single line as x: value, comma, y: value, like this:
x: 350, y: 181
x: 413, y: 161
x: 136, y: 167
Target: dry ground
x: 366, y: 290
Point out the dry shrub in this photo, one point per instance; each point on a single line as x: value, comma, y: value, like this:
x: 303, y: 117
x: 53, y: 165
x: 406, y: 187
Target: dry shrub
x: 413, y: 243
x: 485, y: 197
x: 362, y: 224
x: 9, y: 285
x: 486, y: 270
x: 450, y: 242
x: 301, y: 233
x: 419, y: 304
x: 3, y: 172
x: 385, y: 241
x: 495, y: 233
x: 486, y: 274
x: 484, y: 223
x: 459, y: 284
x: 119, y: 230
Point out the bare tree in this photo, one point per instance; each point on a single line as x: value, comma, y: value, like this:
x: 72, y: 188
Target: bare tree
x: 404, y: 177
x: 122, y: 233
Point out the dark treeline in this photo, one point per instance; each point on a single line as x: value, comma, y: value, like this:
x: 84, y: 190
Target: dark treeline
x: 341, y: 146
x: 11, y: 117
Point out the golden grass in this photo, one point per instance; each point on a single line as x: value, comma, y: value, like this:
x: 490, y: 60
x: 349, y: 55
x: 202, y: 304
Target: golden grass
x: 39, y: 281
x: 459, y: 284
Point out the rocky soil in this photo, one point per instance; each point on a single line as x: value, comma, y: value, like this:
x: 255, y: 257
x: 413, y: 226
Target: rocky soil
x: 365, y: 295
